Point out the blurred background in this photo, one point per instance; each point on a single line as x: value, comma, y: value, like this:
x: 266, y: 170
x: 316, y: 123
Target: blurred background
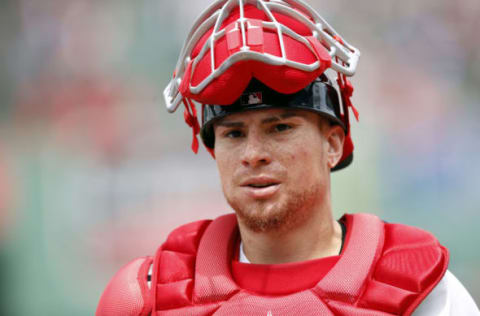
x: 95, y: 172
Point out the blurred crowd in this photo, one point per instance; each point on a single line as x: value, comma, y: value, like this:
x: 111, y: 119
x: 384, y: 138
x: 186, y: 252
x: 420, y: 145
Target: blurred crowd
x: 94, y: 172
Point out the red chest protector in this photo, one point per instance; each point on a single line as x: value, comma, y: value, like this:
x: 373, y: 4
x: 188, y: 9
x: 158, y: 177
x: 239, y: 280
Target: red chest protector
x: 384, y: 269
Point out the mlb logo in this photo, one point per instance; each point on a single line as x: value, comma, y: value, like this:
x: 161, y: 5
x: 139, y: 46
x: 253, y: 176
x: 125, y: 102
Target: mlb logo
x: 252, y: 98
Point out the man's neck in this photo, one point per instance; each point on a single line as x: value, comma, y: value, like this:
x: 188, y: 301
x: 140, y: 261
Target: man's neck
x: 318, y: 237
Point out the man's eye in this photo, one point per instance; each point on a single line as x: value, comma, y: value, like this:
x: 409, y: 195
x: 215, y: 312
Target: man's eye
x: 281, y: 127
x: 234, y: 134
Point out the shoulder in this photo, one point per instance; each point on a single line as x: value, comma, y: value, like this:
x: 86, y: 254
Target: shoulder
x: 411, y: 251
x: 186, y: 237
x: 400, y: 242
x: 413, y: 259
x: 448, y: 298
x: 128, y: 292
x: 408, y: 264
x: 396, y: 234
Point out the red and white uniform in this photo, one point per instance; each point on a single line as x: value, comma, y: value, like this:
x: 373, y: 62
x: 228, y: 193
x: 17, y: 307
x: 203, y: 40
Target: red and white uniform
x: 384, y: 269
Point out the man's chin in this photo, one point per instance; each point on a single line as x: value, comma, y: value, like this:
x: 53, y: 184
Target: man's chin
x: 264, y: 219
x: 280, y: 213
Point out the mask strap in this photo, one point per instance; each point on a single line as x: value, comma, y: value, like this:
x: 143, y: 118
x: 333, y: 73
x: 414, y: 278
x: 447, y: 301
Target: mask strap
x: 190, y: 115
x: 346, y: 89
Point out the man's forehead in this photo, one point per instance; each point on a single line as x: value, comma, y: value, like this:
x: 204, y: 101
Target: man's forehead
x: 263, y: 115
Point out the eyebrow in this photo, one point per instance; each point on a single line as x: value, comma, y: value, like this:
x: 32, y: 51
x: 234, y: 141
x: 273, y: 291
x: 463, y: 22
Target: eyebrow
x: 267, y: 120
x: 282, y: 117
x: 230, y: 124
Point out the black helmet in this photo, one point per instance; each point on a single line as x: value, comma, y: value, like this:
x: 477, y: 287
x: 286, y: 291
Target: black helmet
x: 320, y: 96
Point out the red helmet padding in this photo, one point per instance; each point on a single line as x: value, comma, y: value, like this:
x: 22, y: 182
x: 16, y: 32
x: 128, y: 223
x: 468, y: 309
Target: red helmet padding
x: 251, y: 12
x: 228, y: 87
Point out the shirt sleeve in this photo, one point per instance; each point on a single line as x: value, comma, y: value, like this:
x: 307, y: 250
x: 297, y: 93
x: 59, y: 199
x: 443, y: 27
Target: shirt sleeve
x: 448, y: 298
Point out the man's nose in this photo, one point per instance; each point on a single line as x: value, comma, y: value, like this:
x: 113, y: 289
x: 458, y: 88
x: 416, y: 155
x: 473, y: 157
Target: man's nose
x: 256, y: 151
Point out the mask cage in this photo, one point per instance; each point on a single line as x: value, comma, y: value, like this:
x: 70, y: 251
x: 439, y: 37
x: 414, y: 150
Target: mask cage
x: 344, y: 56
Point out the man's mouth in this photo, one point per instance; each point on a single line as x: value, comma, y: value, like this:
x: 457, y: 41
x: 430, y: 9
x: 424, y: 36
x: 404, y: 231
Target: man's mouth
x: 259, y: 182
x: 261, y: 187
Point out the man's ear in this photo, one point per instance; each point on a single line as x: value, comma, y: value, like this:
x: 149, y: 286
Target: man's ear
x: 335, y: 139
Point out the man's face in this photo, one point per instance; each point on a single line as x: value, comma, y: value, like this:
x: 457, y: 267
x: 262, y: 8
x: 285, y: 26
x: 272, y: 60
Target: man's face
x: 275, y: 165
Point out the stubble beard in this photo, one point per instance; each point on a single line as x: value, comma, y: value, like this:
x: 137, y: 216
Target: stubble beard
x: 284, y: 215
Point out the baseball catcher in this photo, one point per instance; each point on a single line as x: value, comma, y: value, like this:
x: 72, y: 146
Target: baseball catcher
x: 271, y: 82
